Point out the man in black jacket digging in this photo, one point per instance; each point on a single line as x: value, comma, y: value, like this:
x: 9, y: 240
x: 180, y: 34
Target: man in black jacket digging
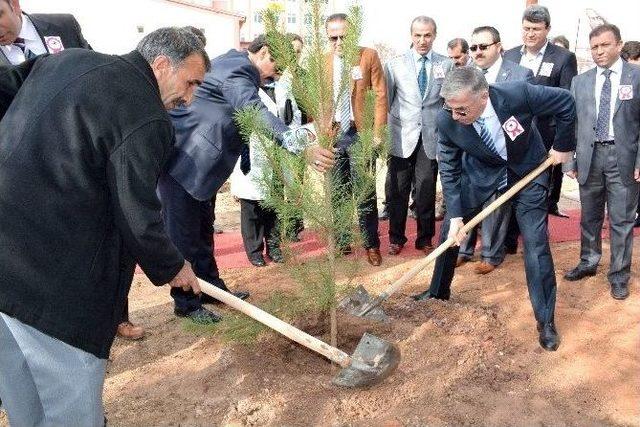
x: 83, y: 138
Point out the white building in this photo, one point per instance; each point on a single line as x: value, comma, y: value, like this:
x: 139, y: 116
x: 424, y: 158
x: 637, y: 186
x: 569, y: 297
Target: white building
x: 116, y: 26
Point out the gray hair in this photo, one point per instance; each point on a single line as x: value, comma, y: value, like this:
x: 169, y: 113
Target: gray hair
x: 463, y: 79
x: 177, y: 44
x: 536, y: 13
x: 424, y: 20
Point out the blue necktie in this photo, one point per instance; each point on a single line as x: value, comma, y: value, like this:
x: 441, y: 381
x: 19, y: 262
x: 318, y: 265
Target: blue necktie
x: 487, y: 139
x: 422, y: 76
x: 604, y: 112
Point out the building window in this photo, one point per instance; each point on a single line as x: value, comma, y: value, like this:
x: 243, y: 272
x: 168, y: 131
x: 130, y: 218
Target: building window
x: 257, y: 18
x: 291, y: 18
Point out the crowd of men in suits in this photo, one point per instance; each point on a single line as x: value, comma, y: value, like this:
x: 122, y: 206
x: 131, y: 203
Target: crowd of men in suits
x: 83, y: 199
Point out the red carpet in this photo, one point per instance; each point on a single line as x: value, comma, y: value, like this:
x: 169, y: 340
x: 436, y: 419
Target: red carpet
x: 230, y: 251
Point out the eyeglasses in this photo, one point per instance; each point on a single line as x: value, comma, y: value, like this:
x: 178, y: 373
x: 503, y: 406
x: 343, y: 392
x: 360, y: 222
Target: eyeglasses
x: 335, y: 38
x: 459, y: 111
x: 482, y: 47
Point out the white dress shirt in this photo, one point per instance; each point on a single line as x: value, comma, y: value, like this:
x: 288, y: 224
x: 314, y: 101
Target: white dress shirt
x: 616, y: 73
x: 337, y: 76
x: 494, y: 126
x: 532, y: 62
x: 32, y: 41
x: 492, y: 72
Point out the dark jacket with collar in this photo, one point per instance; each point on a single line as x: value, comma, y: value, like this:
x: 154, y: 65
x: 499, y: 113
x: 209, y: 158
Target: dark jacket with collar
x: 59, y: 25
x: 208, y: 141
x: 81, y: 147
x: 565, y: 67
x: 470, y: 172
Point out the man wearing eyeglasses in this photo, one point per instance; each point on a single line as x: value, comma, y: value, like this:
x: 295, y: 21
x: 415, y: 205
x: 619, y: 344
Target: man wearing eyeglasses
x: 552, y: 66
x: 486, y: 50
x: 413, y: 85
x: 366, y: 75
x: 487, y: 142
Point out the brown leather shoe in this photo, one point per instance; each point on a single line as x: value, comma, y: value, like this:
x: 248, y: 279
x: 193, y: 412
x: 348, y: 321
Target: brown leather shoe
x: 427, y: 248
x: 129, y: 331
x: 484, y: 268
x: 373, y: 256
x: 461, y: 261
x: 395, y: 249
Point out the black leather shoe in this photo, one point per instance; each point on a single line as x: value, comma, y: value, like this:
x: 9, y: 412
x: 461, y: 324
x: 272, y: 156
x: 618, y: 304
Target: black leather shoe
x: 553, y: 210
x: 579, y: 272
x: 619, y: 290
x: 257, y: 260
x: 276, y: 255
x: 549, y: 338
x: 201, y: 316
x: 423, y: 296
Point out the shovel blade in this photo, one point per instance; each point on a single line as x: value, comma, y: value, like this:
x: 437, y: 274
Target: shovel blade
x: 373, y: 360
x: 356, y: 302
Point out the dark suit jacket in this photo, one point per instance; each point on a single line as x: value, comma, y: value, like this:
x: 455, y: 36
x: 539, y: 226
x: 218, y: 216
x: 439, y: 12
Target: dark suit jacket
x: 626, y: 124
x: 81, y: 148
x: 64, y: 26
x: 208, y: 142
x: 565, y: 67
x: 510, y: 71
x: 470, y: 172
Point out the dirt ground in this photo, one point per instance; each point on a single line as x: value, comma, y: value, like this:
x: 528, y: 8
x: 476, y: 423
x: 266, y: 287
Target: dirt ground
x: 473, y: 360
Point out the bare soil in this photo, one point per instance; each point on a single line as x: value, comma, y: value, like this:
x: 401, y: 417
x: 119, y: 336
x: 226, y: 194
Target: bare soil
x: 473, y: 360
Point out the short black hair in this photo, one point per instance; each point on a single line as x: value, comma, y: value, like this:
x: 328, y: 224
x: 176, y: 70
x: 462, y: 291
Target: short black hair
x: 258, y: 43
x: 464, y: 46
x: 603, y: 28
x: 495, y: 34
x: 630, y: 50
x: 294, y: 37
x: 562, y: 40
x: 536, y: 13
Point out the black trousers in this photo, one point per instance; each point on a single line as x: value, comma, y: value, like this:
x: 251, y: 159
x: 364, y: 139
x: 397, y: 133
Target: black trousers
x: 344, y: 174
x: 189, y: 223
x: 555, y: 185
x: 423, y: 171
x: 258, y: 225
x: 531, y: 206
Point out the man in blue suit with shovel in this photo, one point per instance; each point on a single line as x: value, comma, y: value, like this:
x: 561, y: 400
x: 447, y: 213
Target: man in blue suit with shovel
x: 487, y: 143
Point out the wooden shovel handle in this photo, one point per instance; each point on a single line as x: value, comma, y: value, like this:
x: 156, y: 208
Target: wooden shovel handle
x: 466, y: 228
x: 295, y: 334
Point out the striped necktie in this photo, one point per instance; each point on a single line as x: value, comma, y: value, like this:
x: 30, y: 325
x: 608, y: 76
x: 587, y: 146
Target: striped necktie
x: 487, y: 139
x: 343, y: 104
x: 20, y: 43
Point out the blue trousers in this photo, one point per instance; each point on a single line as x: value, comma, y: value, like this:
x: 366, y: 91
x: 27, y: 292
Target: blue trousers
x: 530, y: 207
x: 189, y: 223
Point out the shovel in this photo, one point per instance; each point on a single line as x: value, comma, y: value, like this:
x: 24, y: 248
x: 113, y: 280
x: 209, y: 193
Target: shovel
x: 373, y: 360
x: 361, y: 304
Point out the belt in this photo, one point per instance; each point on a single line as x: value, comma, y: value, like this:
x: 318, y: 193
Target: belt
x: 336, y: 125
x: 612, y: 142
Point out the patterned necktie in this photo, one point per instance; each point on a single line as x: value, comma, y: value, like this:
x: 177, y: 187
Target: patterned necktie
x: 20, y: 43
x: 487, y: 139
x: 602, y: 124
x: 422, y: 76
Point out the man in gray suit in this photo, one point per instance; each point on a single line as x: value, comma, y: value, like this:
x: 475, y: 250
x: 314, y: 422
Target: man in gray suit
x: 486, y: 50
x: 413, y: 87
x: 607, y: 160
